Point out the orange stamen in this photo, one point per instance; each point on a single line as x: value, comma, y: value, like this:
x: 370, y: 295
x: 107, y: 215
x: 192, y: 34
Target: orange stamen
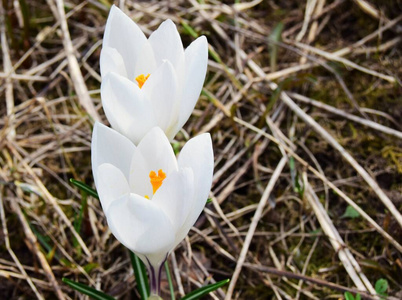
x: 141, y: 79
x: 156, y: 180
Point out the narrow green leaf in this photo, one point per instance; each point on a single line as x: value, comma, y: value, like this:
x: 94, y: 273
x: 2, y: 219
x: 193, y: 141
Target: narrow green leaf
x: 140, y: 276
x: 44, y: 241
x: 198, y: 293
x: 91, y: 292
x: 293, y: 173
x: 349, y: 296
x: 80, y: 216
x: 298, y: 187
x: 89, y: 267
x: 209, y: 200
x: 25, y: 15
x: 358, y: 297
x: 274, y: 38
x: 106, y: 3
x: 169, y: 278
x: 78, y: 222
x: 189, y: 29
x: 84, y: 187
x: 215, y: 55
x: 50, y: 254
x: 273, y: 99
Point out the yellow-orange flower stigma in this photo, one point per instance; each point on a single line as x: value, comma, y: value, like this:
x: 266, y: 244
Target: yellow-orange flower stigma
x: 141, y: 79
x: 156, y: 179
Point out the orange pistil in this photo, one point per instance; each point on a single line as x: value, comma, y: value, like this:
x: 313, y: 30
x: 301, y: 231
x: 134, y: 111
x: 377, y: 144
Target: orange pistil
x: 141, y: 79
x: 156, y: 180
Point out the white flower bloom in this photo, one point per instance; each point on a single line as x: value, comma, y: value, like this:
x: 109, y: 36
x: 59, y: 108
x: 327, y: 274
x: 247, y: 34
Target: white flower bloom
x: 150, y: 198
x: 149, y: 82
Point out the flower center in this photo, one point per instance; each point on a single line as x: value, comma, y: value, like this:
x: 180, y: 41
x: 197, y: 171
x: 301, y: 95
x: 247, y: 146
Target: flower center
x: 141, y: 79
x: 156, y: 181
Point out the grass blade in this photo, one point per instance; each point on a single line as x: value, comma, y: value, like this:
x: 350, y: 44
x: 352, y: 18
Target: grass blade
x: 205, y: 290
x: 80, y: 217
x: 84, y: 187
x: 140, y: 276
x: 274, y: 37
x: 78, y: 221
x: 188, y: 29
x: 169, y: 278
x: 91, y: 292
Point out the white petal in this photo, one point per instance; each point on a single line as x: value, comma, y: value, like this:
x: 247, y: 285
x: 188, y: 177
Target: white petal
x: 166, y: 44
x: 109, y: 146
x: 125, y: 107
x: 197, y: 154
x: 196, y: 60
x: 161, y: 91
x: 175, y: 195
x: 127, y: 38
x: 139, y: 175
x: 111, y: 61
x: 141, y: 226
x: 145, y: 62
x: 111, y: 184
x: 157, y: 152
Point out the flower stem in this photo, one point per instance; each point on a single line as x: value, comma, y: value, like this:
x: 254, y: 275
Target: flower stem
x: 155, y: 279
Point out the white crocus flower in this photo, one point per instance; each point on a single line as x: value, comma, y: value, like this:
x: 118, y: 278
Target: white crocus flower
x: 150, y: 198
x: 149, y: 82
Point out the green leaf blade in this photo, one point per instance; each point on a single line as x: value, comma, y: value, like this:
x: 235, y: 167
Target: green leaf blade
x: 85, y: 188
x: 349, y: 296
x: 140, y: 276
x: 196, y: 294
x: 84, y: 289
x: 169, y: 278
x: 274, y: 38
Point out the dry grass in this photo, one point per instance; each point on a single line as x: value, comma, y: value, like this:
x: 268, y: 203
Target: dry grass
x: 302, y: 127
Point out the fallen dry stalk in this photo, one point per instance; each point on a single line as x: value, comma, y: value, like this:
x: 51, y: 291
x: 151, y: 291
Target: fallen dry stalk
x: 75, y: 72
x: 326, y: 136
x: 317, y: 281
x: 238, y: 108
x: 346, y: 115
x: 52, y: 201
x: 290, y: 152
x: 349, y: 158
x: 8, y: 69
x: 24, y: 274
x: 346, y: 62
x: 344, y: 254
x: 35, y: 247
x: 253, y: 226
